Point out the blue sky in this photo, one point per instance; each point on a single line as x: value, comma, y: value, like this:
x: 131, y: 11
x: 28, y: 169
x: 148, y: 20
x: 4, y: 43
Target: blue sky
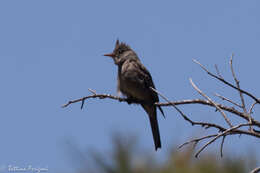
x: 51, y: 51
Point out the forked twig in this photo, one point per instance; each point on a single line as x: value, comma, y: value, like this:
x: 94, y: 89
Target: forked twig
x: 227, y: 83
x: 209, y: 99
x: 240, y: 93
x: 219, y: 135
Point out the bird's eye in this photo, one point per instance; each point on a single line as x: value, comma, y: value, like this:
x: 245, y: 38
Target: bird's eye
x: 120, y: 51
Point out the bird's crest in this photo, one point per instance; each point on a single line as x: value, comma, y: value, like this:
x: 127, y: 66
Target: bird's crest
x: 121, y: 47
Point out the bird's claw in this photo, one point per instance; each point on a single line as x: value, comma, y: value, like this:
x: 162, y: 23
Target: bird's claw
x: 130, y: 100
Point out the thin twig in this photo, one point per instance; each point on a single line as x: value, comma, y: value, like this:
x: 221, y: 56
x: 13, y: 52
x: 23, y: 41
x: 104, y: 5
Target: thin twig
x: 227, y: 83
x: 240, y: 93
x: 209, y: 99
x: 92, y: 91
x: 252, y: 107
x: 237, y: 83
x: 100, y: 96
x: 196, y: 140
x: 219, y: 135
x: 219, y: 75
x: 224, y: 98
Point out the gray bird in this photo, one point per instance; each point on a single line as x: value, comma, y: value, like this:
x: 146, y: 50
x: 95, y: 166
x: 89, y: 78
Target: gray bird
x: 134, y: 81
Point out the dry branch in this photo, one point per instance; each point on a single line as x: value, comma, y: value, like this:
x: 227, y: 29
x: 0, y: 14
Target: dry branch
x: 227, y: 83
x: 222, y: 131
x: 225, y: 133
x: 212, y: 102
x: 181, y: 102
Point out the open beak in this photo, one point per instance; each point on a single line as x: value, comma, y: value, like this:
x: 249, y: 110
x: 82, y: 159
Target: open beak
x: 110, y: 55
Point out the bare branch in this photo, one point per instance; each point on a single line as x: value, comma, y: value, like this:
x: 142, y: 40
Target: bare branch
x: 209, y: 99
x: 182, y: 102
x: 227, y: 83
x: 206, y: 102
x: 219, y: 135
x: 203, y: 124
x: 100, y: 96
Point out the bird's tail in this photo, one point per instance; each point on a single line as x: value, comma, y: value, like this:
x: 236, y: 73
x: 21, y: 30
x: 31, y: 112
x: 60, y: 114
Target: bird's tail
x: 151, y: 111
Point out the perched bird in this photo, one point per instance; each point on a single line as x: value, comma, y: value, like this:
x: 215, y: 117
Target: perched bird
x: 134, y: 81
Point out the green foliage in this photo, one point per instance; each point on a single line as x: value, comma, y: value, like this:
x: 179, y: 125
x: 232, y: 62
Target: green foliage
x: 126, y: 158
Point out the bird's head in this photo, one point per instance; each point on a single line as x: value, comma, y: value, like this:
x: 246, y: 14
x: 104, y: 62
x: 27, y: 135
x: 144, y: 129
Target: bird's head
x: 119, y: 52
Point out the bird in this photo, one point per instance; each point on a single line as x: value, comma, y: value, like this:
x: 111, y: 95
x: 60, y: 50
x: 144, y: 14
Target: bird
x: 135, y: 82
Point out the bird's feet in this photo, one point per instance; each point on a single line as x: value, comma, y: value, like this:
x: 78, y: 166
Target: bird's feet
x: 130, y: 100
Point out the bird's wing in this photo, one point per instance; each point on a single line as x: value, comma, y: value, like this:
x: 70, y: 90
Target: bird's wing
x: 149, y: 83
x: 133, y: 70
x: 147, y: 80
